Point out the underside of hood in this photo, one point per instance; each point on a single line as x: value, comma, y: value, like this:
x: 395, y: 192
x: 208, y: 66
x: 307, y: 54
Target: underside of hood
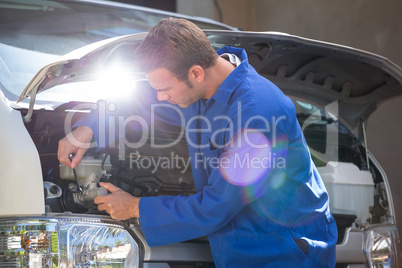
x: 320, y: 72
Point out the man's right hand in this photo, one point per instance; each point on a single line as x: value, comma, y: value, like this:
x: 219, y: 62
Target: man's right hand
x: 77, y: 143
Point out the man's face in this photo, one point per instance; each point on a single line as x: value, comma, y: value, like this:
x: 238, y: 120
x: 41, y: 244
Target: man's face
x: 171, y: 89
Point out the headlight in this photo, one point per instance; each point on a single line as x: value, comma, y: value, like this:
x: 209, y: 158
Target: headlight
x: 382, y: 247
x: 66, y: 242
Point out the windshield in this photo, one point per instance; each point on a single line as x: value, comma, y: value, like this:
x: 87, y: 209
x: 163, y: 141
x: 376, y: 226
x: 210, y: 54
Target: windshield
x: 327, y: 137
x: 35, y: 33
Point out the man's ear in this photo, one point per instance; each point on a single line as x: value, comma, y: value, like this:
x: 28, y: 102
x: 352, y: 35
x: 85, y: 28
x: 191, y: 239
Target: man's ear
x: 196, y: 73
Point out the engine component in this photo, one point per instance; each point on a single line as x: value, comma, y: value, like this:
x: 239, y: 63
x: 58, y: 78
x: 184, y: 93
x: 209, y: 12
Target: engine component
x: 86, y: 176
x: 86, y: 196
x: 52, y: 190
x: 87, y: 166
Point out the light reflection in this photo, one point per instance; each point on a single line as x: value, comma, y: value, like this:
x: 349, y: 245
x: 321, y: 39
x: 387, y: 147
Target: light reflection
x: 117, y: 80
x: 247, y: 159
x: 258, y: 164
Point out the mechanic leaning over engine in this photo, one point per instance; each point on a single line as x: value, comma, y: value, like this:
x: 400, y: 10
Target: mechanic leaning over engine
x: 259, y: 197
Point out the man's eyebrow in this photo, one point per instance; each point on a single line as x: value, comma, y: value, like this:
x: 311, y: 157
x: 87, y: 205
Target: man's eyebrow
x: 164, y: 89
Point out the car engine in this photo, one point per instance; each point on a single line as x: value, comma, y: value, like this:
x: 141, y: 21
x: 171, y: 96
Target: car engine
x: 141, y: 171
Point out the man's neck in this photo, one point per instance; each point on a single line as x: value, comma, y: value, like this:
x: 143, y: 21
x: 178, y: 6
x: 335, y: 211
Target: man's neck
x: 215, y: 75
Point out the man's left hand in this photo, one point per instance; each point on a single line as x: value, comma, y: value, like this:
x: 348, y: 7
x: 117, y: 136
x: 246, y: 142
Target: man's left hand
x: 119, y: 204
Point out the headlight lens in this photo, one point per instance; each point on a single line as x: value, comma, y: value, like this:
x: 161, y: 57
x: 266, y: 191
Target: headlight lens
x: 66, y: 242
x: 381, y: 247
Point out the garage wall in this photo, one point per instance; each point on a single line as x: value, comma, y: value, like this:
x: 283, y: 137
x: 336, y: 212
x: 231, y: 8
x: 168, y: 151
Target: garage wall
x: 237, y: 13
x: 370, y: 25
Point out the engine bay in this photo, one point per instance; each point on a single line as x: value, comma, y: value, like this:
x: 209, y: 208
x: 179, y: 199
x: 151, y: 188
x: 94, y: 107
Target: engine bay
x: 146, y: 171
x: 141, y: 171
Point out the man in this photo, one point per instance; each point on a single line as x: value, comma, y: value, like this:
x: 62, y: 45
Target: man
x: 259, y: 197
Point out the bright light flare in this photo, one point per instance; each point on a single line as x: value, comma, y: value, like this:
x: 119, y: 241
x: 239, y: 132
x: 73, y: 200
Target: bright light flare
x: 117, y: 79
x: 247, y: 159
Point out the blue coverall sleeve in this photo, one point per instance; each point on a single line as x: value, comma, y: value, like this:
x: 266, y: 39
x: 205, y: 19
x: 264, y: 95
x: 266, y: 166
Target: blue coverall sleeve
x: 172, y: 219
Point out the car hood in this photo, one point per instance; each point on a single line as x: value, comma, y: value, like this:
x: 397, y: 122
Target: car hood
x: 320, y: 72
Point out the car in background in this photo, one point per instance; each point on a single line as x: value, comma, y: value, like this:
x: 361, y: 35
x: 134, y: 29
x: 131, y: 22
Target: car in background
x: 58, y: 58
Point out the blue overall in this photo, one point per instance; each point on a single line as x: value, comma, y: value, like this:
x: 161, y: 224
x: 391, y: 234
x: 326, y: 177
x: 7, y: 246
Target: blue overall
x: 259, y: 197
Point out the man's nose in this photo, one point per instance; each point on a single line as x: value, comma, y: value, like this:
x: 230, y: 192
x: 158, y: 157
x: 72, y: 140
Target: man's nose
x: 163, y: 96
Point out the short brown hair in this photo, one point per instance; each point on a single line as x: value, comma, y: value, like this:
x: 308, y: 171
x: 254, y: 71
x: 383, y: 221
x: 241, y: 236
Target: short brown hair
x: 175, y: 44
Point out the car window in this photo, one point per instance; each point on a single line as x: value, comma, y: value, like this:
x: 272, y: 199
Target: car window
x: 327, y: 137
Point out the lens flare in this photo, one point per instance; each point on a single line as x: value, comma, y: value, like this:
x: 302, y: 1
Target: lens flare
x: 247, y: 159
x: 258, y: 164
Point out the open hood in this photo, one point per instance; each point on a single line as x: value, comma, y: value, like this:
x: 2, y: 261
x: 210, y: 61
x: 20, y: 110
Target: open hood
x: 312, y: 70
